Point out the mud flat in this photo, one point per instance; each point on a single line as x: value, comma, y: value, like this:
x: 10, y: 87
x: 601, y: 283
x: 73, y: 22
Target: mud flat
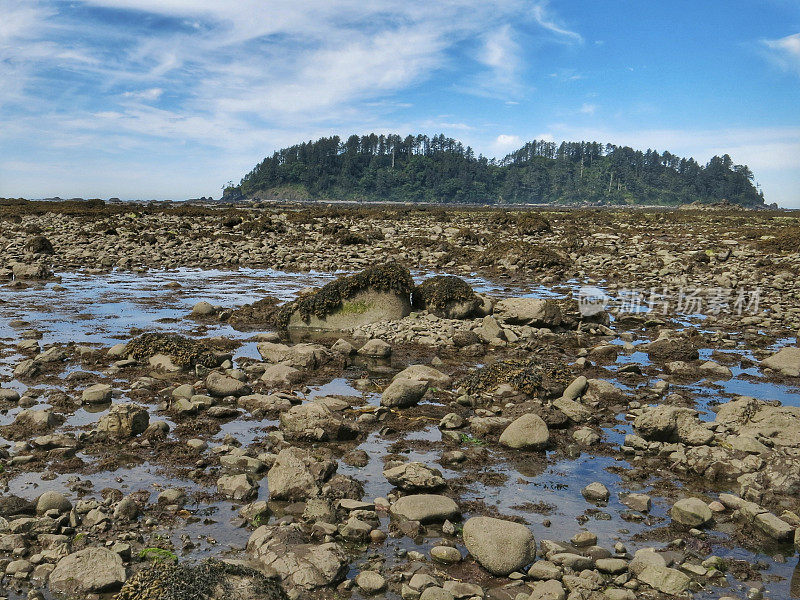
x: 574, y: 404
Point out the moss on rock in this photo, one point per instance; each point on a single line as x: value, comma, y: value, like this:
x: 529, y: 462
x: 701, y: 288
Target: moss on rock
x: 523, y: 254
x: 528, y: 376
x: 440, y: 294
x: 208, y: 580
x: 185, y: 352
x: 390, y: 277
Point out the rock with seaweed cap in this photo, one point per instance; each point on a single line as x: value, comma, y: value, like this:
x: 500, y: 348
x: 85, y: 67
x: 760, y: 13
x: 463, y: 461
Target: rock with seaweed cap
x: 208, y: 580
x: 446, y: 296
x: 183, y: 352
x: 379, y: 293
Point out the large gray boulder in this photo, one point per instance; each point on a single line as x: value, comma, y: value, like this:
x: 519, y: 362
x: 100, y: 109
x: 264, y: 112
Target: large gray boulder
x: 52, y: 500
x: 433, y: 376
x: 785, y: 361
x: 221, y: 385
x: 414, y: 476
x: 89, y: 571
x: 35, y: 421
x: 535, y: 312
x: 750, y: 417
x: 672, y: 424
x: 301, y: 356
x: 665, y: 580
x: 425, y: 508
x: 403, y: 392
x: 124, y: 420
x: 300, y: 564
x: 691, y: 512
x: 240, y: 487
x: 99, y: 393
x: 298, y: 475
x: 528, y: 432
x: 501, y: 547
x: 379, y: 293
x: 315, y: 421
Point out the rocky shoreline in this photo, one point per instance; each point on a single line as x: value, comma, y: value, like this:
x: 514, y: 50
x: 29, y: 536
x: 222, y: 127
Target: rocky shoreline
x: 395, y: 433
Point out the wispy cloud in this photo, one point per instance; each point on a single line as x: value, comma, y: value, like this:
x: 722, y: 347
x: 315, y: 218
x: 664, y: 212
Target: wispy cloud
x: 545, y: 18
x: 785, y: 52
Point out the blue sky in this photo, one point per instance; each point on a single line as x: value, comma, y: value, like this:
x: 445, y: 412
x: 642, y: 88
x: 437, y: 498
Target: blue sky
x: 171, y: 99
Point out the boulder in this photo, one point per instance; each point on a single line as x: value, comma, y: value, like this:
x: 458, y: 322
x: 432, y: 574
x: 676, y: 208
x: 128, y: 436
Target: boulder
x: 99, y: 393
x: 203, y: 309
x: 535, y: 312
x: 375, y: 348
x: 528, y: 432
x: 9, y: 395
x: 664, y: 579
x: 30, y: 420
x: 425, y: 508
x: 434, y: 377
x: 300, y: 564
x: 265, y: 403
x: 596, y: 492
x: 500, y: 546
x: 88, y: 571
x: 666, y: 423
x: 297, y: 475
x: 221, y: 385
x: 315, y: 421
x: 53, y: 501
x: 447, y: 297
x: 281, y: 376
x: 31, y: 271
x: 414, y: 476
x: 691, y: 512
x: 370, y: 582
x: 754, y: 418
x: 379, y: 293
x: 300, y: 356
x: 403, y: 392
x: 785, y: 361
x: 124, y: 420
x: 240, y: 487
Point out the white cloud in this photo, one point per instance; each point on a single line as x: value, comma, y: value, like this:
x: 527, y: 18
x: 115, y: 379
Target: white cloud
x: 151, y: 94
x: 543, y: 17
x: 588, y: 109
x: 504, y: 144
x: 785, y: 52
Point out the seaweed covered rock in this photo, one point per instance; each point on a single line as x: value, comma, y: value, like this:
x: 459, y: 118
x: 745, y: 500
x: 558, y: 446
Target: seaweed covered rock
x: 182, y: 351
x: 262, y: 312
x: 446, y: 296
x: 531, y: 223
x: 382, y: 292
x: 522, y: 255
x: 527, y: 376
x: 39, y: 244
x: 208, y: 580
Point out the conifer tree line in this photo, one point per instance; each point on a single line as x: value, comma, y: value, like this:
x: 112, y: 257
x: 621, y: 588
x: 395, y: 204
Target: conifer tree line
x: 439, y: 169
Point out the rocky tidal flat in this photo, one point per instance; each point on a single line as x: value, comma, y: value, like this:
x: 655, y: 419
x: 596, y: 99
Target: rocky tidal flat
x: 274, y: 401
